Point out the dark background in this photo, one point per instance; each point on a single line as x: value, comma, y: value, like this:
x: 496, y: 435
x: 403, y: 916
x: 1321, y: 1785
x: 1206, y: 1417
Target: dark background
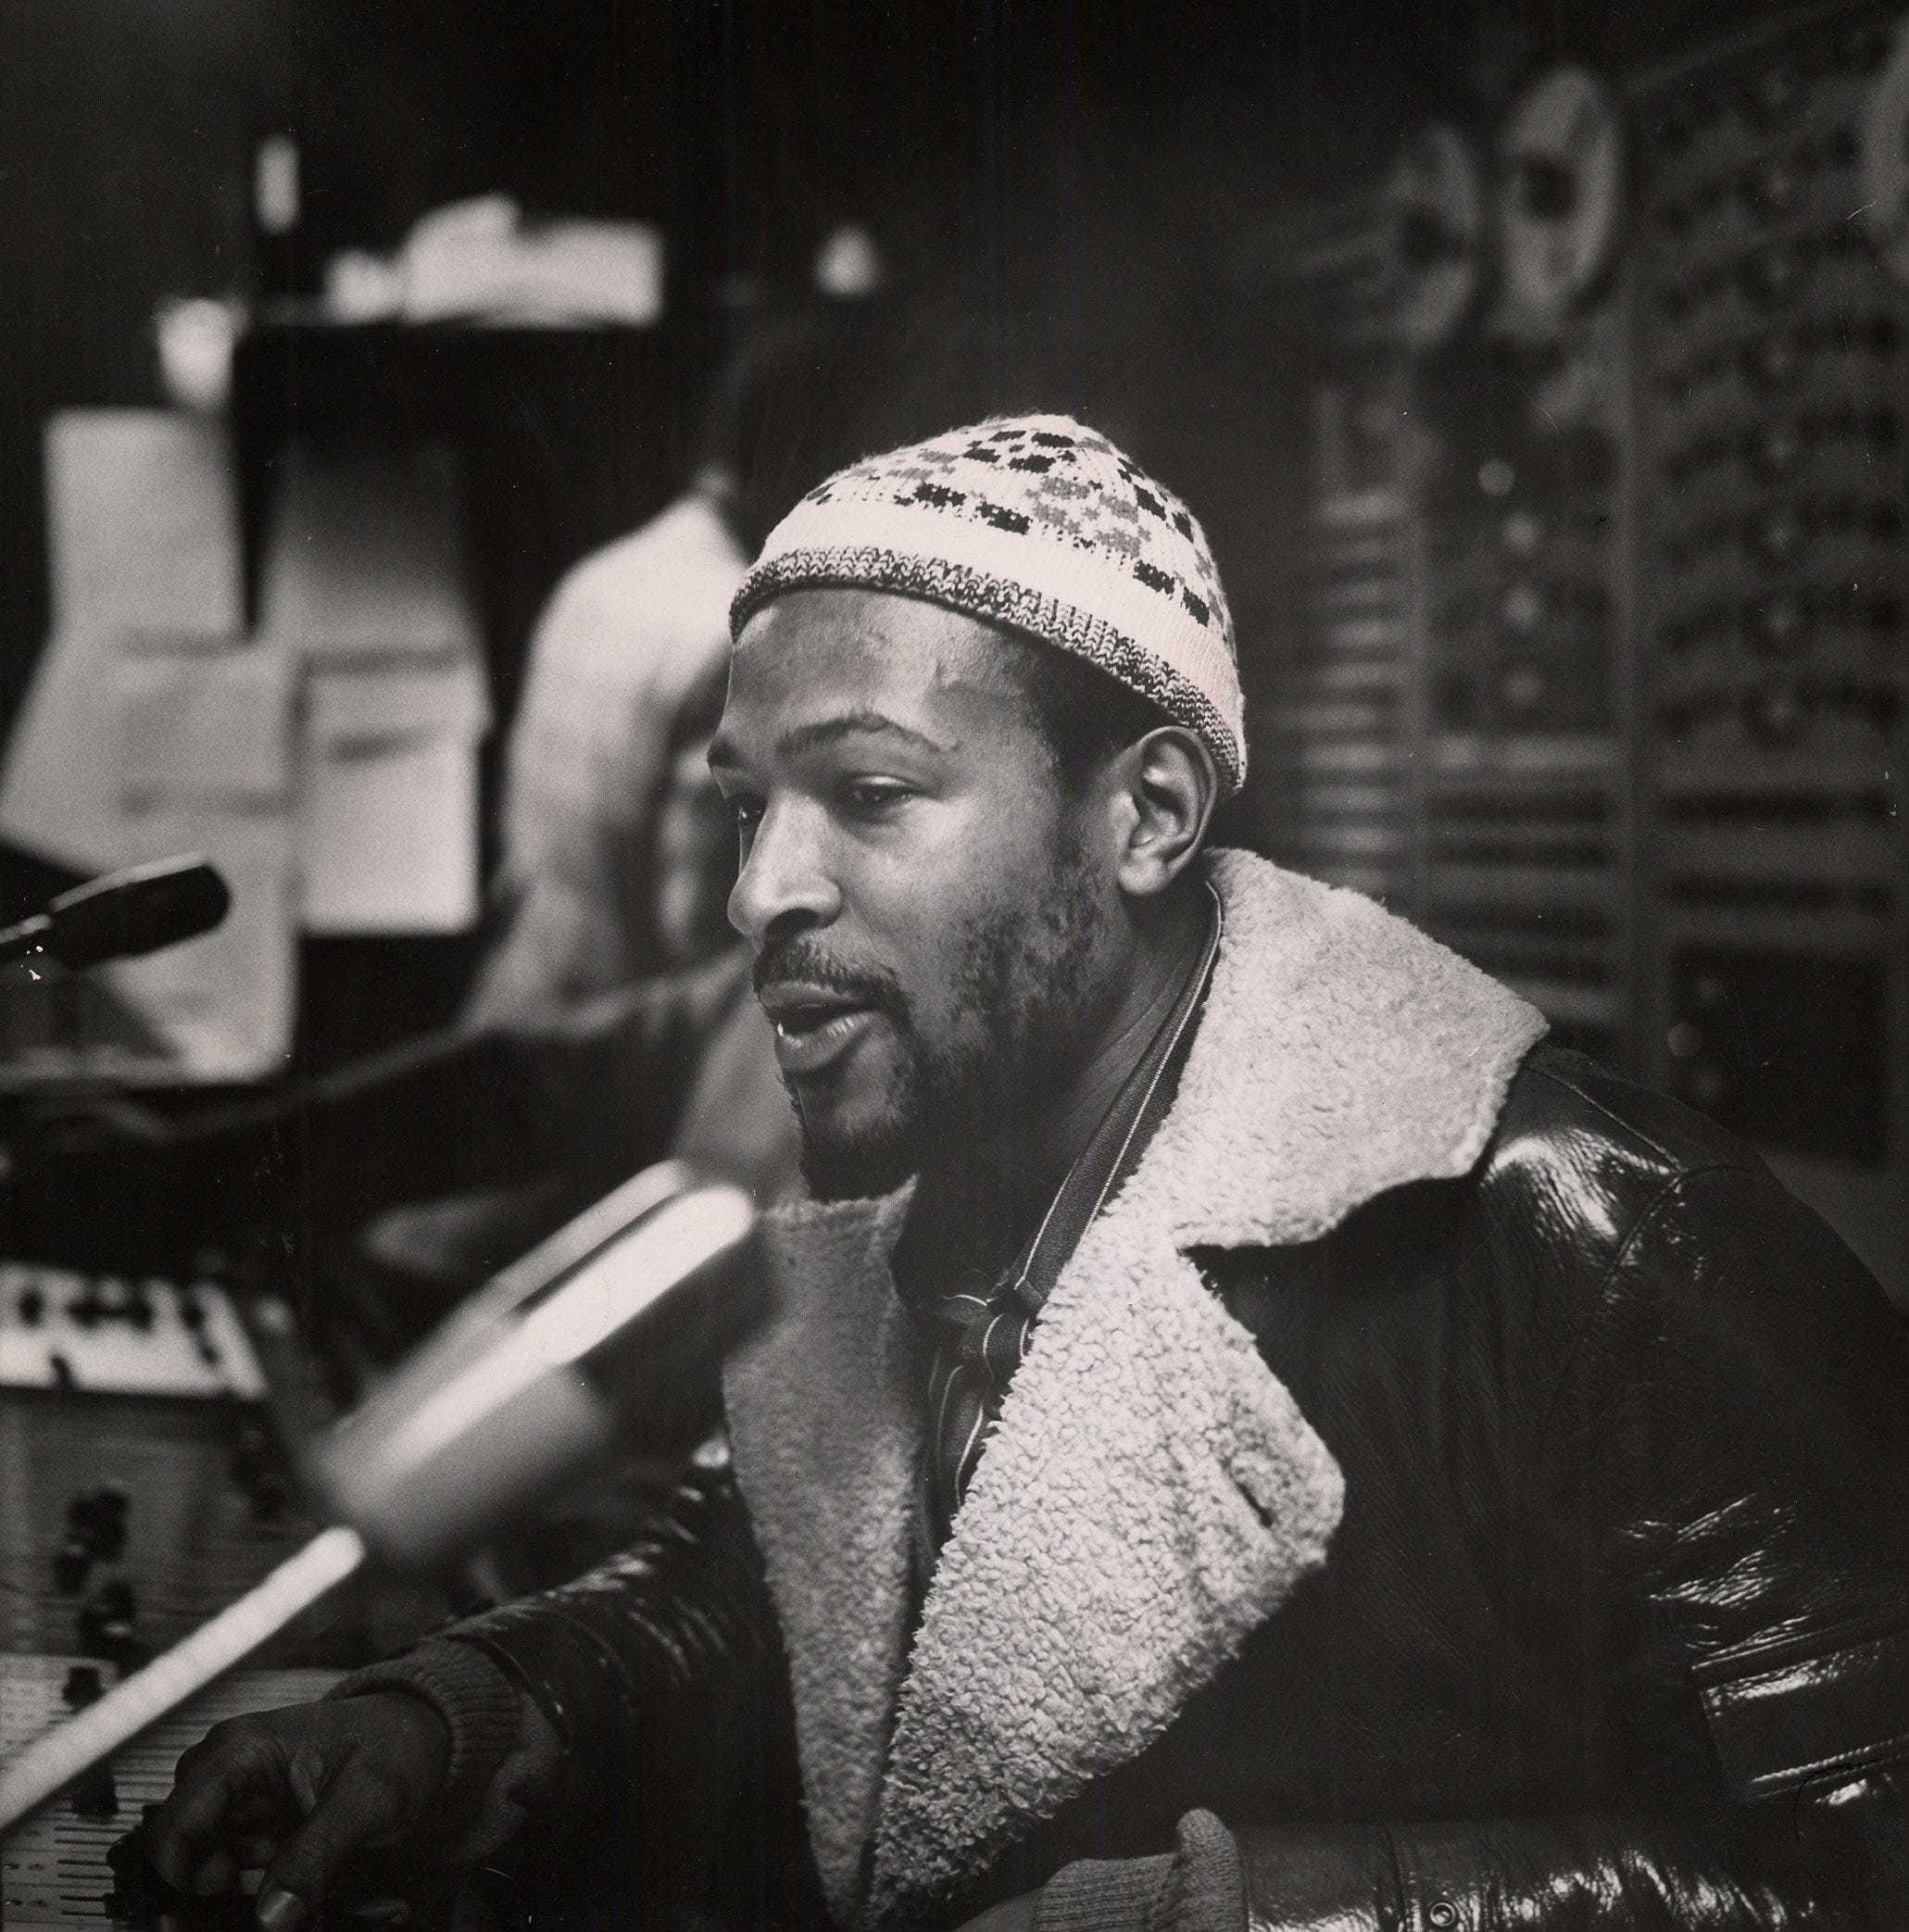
x: 1064, y: 172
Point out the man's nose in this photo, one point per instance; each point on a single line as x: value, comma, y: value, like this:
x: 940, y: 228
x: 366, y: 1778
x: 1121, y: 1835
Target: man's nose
x: 785, y: 875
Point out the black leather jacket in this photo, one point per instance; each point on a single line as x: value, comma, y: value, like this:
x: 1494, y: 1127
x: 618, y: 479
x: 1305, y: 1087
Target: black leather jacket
x: 1615, y: 1630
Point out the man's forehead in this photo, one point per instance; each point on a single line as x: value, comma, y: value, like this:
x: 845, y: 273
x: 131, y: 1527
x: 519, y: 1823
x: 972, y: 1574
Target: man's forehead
x: 855, y: 619
x: 866, y: 641
x: 817, y: 665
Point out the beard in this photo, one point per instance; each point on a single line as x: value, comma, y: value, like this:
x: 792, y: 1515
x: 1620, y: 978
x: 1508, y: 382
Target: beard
x: 1021, y: 1017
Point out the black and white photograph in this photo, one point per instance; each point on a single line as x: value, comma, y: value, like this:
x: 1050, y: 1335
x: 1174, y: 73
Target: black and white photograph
x: 954, y: 966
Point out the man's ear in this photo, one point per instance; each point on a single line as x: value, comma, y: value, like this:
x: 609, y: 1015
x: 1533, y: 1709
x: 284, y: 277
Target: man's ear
x: 1164, y: 788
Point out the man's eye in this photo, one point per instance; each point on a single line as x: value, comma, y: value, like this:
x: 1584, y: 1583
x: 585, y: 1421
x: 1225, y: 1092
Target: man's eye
x: 743, y: 814
x: 874, y: 795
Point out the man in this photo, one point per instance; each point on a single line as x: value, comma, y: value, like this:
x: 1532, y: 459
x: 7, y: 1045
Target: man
x: 1303, y: 1453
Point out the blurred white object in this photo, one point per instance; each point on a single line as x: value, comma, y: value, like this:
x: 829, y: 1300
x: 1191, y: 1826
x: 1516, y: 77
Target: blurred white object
x: 204, y: 742
x: 480, y: 259
x: 361, y: 287
x: 387, y: 810
x: 222, y: 1006
x: 277, y: 199
x: 59, y: 794
x: 848, y: 264
x: 203, y: 725
x: 616, y: 1322
x: 364, y: 584
x: 141, y: 527
x: 195, y: 334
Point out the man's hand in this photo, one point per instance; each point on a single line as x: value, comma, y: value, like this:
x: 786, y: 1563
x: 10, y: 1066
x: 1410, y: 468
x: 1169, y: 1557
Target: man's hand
x: 300, y: 1793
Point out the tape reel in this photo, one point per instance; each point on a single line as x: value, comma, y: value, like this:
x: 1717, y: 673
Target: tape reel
x: 1435, y: 203
x: 1559, y: 201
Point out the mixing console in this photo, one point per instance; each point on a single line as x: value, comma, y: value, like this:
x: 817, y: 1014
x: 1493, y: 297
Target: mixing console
x: 124, y: 1523
x: 140, y: 1484
x: 53, y: 1866
x: 144, y: 1478
x: 101, y: 1335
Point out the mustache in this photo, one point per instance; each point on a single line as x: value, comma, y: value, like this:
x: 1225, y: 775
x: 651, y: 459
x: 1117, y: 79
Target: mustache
x: 811, y: 963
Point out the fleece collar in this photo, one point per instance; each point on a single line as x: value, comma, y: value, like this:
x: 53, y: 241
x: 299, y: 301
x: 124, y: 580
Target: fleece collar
x: 1152, y: 1492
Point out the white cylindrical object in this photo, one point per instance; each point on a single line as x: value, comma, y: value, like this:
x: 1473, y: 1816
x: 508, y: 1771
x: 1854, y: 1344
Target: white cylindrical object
x: 55, y: 1759
x: 510, y: 1397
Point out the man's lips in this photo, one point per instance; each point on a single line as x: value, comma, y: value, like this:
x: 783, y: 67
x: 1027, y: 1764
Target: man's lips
x: 815, y: 1027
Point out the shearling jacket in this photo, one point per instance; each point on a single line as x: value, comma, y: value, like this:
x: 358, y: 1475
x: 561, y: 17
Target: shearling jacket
x: 1449, y: 1486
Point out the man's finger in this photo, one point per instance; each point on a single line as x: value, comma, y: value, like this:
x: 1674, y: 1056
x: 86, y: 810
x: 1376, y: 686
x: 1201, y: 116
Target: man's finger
x: 357, y: 1811
x: 210, y: 1776
x: 217, y: 1873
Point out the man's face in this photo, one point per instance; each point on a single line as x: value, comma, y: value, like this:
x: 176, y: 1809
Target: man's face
x: 926, y: 905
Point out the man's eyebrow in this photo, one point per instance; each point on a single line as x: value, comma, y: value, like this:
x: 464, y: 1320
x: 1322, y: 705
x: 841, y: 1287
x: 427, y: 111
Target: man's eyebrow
x: 812, y: 736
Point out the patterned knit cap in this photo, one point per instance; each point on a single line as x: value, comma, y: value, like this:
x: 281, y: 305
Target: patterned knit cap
x: 1043, y: 525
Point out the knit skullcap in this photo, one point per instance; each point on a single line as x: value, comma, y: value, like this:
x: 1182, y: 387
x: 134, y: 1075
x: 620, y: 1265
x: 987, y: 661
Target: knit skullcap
x: 1039, y: 523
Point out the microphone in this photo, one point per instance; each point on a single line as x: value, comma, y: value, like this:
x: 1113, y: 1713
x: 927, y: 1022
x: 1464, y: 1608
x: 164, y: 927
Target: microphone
x: 615, y: 1328
x: 617, y: 1322
x: 123, y: 913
